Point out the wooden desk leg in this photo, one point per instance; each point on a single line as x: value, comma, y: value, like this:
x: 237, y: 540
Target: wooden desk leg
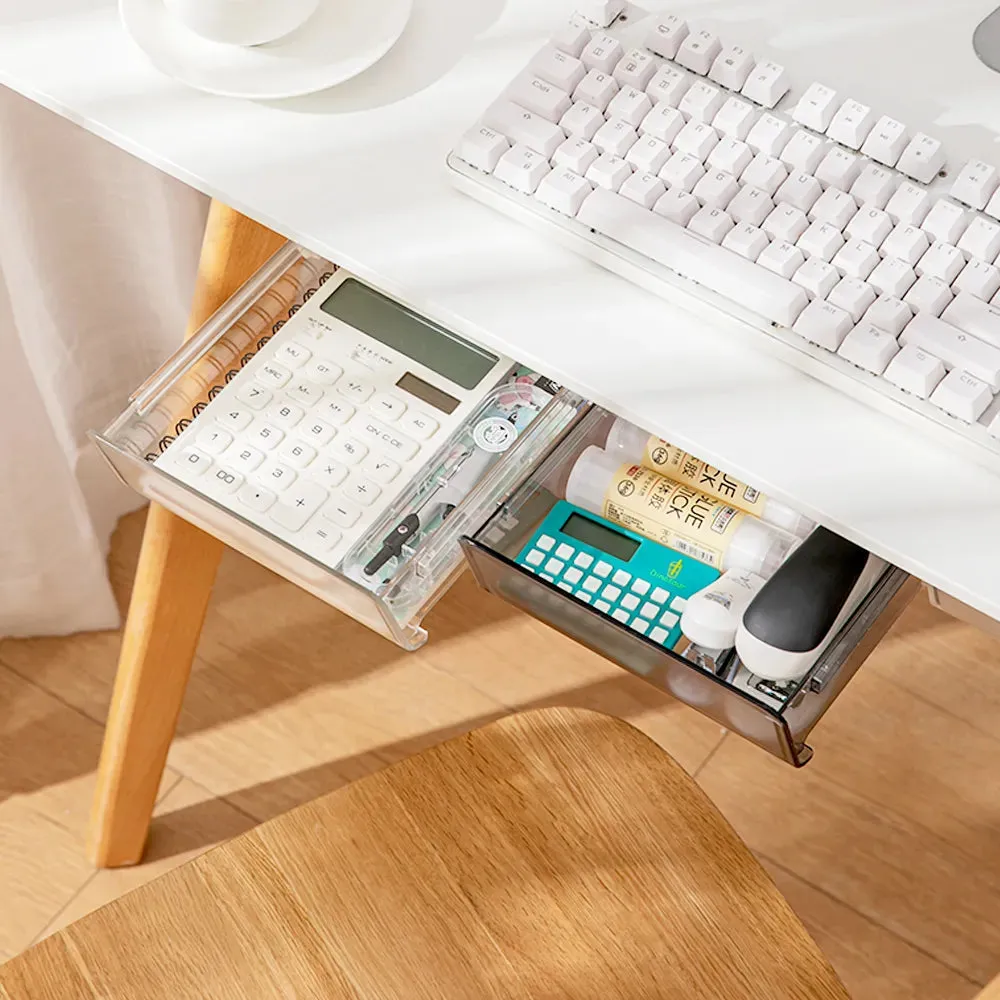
x: 173, y: 580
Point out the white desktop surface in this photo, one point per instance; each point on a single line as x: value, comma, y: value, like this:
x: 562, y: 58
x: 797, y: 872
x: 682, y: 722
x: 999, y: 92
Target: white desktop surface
x: 357, y: 174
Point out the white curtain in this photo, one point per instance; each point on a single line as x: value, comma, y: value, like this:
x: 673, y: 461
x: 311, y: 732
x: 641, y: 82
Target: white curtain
x: 98, y: 254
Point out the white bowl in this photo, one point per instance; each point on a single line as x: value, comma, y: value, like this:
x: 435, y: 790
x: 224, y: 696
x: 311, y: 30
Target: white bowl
x: 242, y: 22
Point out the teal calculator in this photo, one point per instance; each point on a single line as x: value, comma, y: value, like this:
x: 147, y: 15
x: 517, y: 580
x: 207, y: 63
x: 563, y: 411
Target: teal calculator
x: 632, y: 579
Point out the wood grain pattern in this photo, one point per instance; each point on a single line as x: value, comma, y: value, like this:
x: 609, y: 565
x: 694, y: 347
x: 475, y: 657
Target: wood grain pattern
x: 553, y: 854
x: 173, y: 582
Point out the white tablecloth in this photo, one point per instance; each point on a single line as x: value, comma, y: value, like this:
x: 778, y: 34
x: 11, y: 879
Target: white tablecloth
x: 98, y: 254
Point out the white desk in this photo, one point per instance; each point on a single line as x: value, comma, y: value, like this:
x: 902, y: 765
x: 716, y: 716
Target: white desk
x: 357, y: 174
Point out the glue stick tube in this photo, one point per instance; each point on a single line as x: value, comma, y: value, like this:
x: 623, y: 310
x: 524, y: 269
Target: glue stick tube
x: 674, y: 514
x: 632, y: 444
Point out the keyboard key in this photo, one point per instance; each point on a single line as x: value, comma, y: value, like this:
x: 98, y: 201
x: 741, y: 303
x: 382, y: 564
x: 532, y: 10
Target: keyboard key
x: 562, y: 585
x: 817, y: 277
x: 886, y: 141
x: 597, y: 89
x: 821, y: 240
x: 875, y: 186
x: 890, y: 314
x: 592, y: 584
x: 342, y: 512
x: 336, y: 411
x: 954, y: 347
x: 535, y: 557
x: 663, y: 123
x: 316, y: 432
x: 580, y: 122
x: 572, y: 576
x: 732, y: 67
x: 767, y: 84
x: 575, y: 154
x: 817, y: 107
x: 573, y: 37
x: 545, y: 543
x: 962, y: 395
x: 611, y: 593
x: 630, y: 602
x: 851, y: 124
x: 235, y: 418
x: 759, y: 290
x: 225, y: 480
x: 702, y: 102
x: 716, y: 189
x: 856, y: 259
x: 621, y: 578
x: 712, y: 223
x: 852, y: 295
x: 804, y: 152
x: 304, y: 392
x: 698, y: 51
x: 522, y: 127
x: 769, y: 135
x: 682, y: 171
x: 922, y: 158
x: 915, y: 371
x: 698, y: 139
x: 666, y: 35
x: 909, y: 205
x: 298, y: 505
x: 751, y: 205
x: 255, y: 396
x: 834, y: 206
x: 292, y: 354
x: 635, y: 69
x: 602, y: 569
x: 650, y: 610
x: 559, y: 68
x: 583, y: 560
x: 942, y: 261
x: 669, y: 85
x: 607, y: 171
x: 659, y: 595
x: 644, y: 189
x: 782, y: 258
x: 325, y: 372
x: 669, y: 619
x: 801, y: 191
x: 244, y: 458
x: 540, y: 97
x: 869, y: 347
x: 978, y: 279
x: 784, y: 223
x: 678, y: 604
x: 321, y: 536
x: 747, y: 241
x: 382, y: 470
x: 522, y: 168
x: 215, y: 440
x: 639, y: 625
x: 265, y: 436
x: 256, y: 497
x: 276, y: 475
x: 730, y: 156
x: 615, y: 138
x: 420, y: 425
x: 928, y: 295
x: 981, y: 240
x: 297, y: 453
x: 362, y: 490
x: 586, y: 598
x: 619, y: 614
x: 892, y: 277
x: 972, y: 316
x: 678, y: 206
x: 659, y: 635
x: 975, y: 184
x: 630, y: 106
x: 906, y: 243
x: 602, y: 53
x: 602, y: 606
x: 564, y: 191
x: 870, y: 225
x: 839, y: 169
x: 640, y: 587
x: 564, y: 551
x: 765, y: 172
x: 274, y: 376
x: 348, y: 450
x: 824, y: 324
x: 735, y: 119
x: 284, y: 414
x: 387, y: 439
x: 945, y: 222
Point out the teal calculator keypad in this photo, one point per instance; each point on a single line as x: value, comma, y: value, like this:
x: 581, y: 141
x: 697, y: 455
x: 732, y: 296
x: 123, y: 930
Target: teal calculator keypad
x: 642, y: 584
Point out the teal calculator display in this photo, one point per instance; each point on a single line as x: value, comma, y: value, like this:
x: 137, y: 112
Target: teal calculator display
x: 634, y: 580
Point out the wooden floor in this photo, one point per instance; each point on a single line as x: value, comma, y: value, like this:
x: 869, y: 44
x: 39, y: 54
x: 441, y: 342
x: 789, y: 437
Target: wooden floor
x: 887, y: 845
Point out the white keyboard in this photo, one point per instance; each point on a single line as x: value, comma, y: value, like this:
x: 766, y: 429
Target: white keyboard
x: 848, y: 243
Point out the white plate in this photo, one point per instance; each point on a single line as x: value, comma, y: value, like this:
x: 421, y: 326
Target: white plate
x: 342, y: 39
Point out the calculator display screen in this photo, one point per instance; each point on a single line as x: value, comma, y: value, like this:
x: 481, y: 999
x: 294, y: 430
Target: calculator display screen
x: 405, y: 331
x: 583, y: 529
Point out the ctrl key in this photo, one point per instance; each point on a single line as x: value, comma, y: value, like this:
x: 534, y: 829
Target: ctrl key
x: 482, y: 147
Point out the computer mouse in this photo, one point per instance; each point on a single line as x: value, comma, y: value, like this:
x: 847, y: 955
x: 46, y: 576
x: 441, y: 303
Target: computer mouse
x: 986, y: 40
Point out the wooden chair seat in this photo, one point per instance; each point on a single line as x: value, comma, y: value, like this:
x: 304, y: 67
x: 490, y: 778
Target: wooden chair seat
x: 555, y: 854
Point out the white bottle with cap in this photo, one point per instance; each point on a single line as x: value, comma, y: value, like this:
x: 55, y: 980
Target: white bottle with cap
x: 685, y: 520
x: 712, y: 616
x: 633, y: 444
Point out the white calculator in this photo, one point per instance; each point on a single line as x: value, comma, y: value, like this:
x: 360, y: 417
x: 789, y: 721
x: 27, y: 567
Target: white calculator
x: 330, y: 420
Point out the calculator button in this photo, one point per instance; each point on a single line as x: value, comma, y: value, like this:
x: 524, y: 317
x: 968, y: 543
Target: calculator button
x: 566, y: 587
x: 316, y: 432
x: 323, y: 372
x: 383, y: 470
x: 545, y: 576
x: 293, y: 354
x: 602, y: 605
x: 583, y: 597
x: 226, y: 481
x: 273, y: 375
x: 650, y: 610
x: 564, y: 551
x: 305, y: 392
x: 640, y: 626
x: 545, y: 543
x: 387, y: 406
x: 387, y: 439
x: 244, y: 457
x: 620, y: 615
x: 554, y: 566
x: 592, y: 584
x: 420, y: 425
x: 678, y: 604
x: 255, y: 396
x: 328, y: 473
x: 284, y: 414
x: 573, y: 576
x: 669, y: 620
x: 355, y: 388
x: 583, y: 560
x: 277, y: 476
x: 298, y: 505
x: 621, y: 578
x: 322, y: 536
x: 610, y: 593
x: 364, y: 491
x: 342, y: 512
x: 603, y: 568
x: 336, y: 411
x: 534, y: 558
x: 235, y: 418
x: 349, y: 450
x: 659, y: 595
x: 194, y: 462
x: 640, y: 587
x: 215, y: 440
x: 256, y: 497
x: 297, y: 454
x: 630, y: 602
x: 266, y: 436
x: 658, y: 634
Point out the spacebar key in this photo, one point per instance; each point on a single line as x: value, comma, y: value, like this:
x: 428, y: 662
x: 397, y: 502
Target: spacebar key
x: 759, y: 290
